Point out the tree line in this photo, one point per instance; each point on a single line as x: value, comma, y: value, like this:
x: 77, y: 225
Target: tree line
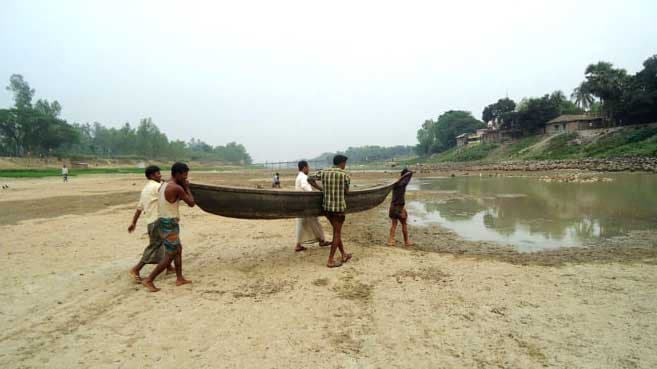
x: 621, y: 98
x: 373, y: 153
x: 36, y: 129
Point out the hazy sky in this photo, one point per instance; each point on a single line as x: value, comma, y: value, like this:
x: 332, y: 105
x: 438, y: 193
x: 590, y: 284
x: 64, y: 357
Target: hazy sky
x: 292, y: 79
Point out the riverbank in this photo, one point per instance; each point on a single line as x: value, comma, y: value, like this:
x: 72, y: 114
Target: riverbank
x: 625, y: 145
x: 629, y: 164
x: 255, y: 303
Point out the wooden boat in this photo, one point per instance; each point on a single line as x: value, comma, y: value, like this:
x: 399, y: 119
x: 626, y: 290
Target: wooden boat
x: 246, y: 203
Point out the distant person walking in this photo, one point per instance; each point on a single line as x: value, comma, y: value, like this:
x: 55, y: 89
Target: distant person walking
x: 308, y: 229
x: 148, y: 205
x: 335, y: 185
x: 170, y: 195
x: 276, y: 181
x: 65, y: 173
x: 397, y: 211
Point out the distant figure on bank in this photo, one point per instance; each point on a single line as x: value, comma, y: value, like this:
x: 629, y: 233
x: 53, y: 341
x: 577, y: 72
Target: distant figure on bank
x: 397, y: 211
x: 148, y: 205
x: 276, y: 181
x: 308, y: 229
x: 335, y: 185
x: 170, y: 195
x: 65, y: 173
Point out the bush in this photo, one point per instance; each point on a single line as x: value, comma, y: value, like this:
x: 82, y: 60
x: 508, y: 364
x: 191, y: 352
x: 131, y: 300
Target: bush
x: 627, y: 142
x: 559, y: 147
x: 467, y: 153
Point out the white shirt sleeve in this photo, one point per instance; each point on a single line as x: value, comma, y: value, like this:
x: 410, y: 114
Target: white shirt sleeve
x: 141, y: 205
x: 305, y: 185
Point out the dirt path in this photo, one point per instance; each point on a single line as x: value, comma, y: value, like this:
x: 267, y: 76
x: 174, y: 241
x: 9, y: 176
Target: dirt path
x: 68, y: 302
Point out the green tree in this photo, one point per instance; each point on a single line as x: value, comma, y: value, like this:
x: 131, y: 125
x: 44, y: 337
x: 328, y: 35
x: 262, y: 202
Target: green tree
x: 583, y: 97
x: 564, y: 105
x: 151, y: 143
x: 50, y: 109
x: 28, y: 128
x: 10, y: 131
x: 425, y: 138
x: 441, y: 135
x: 32, y: 130
x: 377, y: 153
x: 498, y: 109
x: 22, y: 92
x: 640, y: 96
x: 609, y: 85
x: 533, y: 112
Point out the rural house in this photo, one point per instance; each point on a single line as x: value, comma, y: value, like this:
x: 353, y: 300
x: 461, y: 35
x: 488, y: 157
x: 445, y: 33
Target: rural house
x: 572, y: 123
x: 462, y: 140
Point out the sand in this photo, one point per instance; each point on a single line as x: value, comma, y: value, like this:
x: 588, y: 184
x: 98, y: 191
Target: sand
x: 67, y: 300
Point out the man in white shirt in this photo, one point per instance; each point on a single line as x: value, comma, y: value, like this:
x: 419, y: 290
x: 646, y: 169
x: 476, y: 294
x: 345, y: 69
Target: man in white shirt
x: 65, y: 173
x: 148, y: 204
x: 276, y: 181
x: 308, y: 229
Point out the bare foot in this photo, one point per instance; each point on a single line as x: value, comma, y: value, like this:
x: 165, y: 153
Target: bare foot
x: 135, y: 276
x: 180, y: 282
x: 149, y: 284
x: 324, y: 243
x: 391, y: 243
x: 334, y: 264
x: 409, y: 244
x: 299, y: 248
x: 346, y: 258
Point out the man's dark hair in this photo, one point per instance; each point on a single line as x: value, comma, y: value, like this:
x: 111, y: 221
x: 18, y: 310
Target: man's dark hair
x: 302, y: 164
x: 150, y: 170
x: 339, y: 159
x: 179, y: 168
x: 404, y: 171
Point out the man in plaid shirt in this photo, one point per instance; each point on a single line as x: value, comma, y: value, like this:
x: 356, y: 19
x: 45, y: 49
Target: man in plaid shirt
x: 335, y: 186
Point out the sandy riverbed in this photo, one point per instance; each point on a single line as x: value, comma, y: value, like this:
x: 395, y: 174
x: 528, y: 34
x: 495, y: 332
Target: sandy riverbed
x: 67, y: 301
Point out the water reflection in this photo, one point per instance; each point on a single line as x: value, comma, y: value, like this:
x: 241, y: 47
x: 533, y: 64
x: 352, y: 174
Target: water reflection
x: 534, y: 215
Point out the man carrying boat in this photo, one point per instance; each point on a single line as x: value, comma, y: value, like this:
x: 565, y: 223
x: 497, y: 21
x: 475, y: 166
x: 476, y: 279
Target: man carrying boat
x: 171, y: 193
x: 308, y: 229
x: 397, y: 211
x: 335, y: 186
x: 154, y: 252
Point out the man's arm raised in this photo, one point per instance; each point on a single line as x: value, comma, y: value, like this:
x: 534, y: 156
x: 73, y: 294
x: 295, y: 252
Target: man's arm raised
x: 186, y: 195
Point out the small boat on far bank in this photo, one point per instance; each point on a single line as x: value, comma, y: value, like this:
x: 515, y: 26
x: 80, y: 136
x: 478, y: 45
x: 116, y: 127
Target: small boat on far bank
x: 247, y: 203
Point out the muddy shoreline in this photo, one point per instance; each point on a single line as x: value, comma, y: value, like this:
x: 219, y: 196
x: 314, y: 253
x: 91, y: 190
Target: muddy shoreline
x: 637, y: 247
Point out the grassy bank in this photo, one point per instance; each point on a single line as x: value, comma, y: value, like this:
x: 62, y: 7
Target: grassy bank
x: 626, y: 141
x: 39, y: 173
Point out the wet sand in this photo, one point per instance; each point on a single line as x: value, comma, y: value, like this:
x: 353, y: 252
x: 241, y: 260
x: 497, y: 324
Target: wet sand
x: 254, y: 303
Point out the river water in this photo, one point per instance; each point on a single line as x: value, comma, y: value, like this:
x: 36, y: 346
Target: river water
x: 531, y: 215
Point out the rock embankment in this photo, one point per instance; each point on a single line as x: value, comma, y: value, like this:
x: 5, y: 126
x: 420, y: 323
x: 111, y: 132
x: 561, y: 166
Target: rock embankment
x: 632, y: 164
x: 575, y: 178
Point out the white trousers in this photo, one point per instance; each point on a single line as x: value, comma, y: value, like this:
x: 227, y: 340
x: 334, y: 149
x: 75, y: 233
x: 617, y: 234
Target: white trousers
x: 309, y: 230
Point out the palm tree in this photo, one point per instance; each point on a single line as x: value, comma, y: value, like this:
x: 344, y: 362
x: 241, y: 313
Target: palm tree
x: 583, y: 98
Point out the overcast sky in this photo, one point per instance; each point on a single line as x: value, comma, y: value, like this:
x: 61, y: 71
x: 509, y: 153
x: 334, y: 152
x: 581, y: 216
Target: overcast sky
x: 293, y: 79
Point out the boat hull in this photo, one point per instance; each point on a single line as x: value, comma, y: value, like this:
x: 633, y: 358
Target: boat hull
x: 245, y: 203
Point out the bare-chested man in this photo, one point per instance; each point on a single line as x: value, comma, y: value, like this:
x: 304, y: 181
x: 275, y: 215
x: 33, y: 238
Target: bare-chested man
x: 171, y: 193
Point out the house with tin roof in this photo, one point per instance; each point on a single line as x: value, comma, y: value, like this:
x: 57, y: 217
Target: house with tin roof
x: 572, y: 123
